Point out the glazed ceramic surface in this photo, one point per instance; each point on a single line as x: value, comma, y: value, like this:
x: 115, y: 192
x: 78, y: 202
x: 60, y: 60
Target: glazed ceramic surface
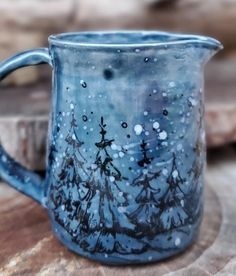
x: 126, y: 147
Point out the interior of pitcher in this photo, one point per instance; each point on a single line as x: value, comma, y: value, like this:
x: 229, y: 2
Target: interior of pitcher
x: 121, y: 38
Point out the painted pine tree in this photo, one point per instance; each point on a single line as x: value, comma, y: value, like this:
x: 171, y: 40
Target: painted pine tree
x: 51, y: 156
x: 146, y: 215
x: 71, y: 186
x: 173, y: 213
x: 106, y: 226
x: 193, y: 201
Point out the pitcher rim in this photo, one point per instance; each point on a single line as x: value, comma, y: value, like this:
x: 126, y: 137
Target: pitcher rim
x: 63, y: 39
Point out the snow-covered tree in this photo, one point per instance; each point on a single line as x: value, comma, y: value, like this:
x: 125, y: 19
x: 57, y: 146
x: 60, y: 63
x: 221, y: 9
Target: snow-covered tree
x: 70, y: 186
x: 147, y: 212
x: 193, y: 200
x: 173, y: 213
x: 105, y: 224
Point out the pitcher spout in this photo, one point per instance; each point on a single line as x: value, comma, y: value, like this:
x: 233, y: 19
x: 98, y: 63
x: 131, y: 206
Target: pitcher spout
x: 209, y: 46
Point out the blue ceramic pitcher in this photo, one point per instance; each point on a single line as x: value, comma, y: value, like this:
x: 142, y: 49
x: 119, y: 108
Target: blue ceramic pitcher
x: 126, y: 143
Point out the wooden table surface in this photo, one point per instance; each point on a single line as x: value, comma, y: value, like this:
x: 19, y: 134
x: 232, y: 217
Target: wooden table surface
x: 27, y: 246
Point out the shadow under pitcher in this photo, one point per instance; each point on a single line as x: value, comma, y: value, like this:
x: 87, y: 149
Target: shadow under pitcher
x: 126, y: 143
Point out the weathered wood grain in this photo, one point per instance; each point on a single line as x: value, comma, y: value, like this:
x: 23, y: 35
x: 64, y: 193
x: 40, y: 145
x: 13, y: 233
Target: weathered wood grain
x: 26, y: 24
x: 213, y: 17
x: 24, y: 123
x: 29, y: 248
x: 221, y: 102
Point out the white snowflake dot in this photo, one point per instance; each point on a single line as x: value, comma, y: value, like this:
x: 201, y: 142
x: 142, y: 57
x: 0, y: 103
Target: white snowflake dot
x: 172, y: 84
x: 163, y: 135
x: 138, y: 129
x: 121, y: 154
x: 165, y: 171
x: 4, y: 159
x: 131, y: 159
x: 192, y: 101
x: 145, y: 171
x: 145, y: 113
x: 156, y: 125
x: 113, y: 146
x: 177, y: 241
x: 175, y: 173
x: 112, y: 178
x: 72, y: 106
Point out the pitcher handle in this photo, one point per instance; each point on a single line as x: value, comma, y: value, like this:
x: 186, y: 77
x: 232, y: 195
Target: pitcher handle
x: 17, y: 176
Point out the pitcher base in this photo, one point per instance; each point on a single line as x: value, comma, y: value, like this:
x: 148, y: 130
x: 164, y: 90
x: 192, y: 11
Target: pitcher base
x: 161, y: 247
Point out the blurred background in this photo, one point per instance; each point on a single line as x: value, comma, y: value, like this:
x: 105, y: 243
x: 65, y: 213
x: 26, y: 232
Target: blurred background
x: 25, y: 95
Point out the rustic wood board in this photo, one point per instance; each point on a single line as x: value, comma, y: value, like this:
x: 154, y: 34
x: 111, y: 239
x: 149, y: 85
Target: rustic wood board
x: 221, y: 102
x: 24, y: 123
x: 212, y: 17
x: 29, y: 248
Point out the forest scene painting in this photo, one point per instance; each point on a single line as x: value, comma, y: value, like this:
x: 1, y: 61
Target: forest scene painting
x: 104, y: 210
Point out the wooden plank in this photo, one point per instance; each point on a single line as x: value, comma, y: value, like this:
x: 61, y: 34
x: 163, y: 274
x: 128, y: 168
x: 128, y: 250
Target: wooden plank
x: 24, y: 123
x: 26, y: 24
x: 29, y: 248
x: 220, y: 102
x: 212, y: 17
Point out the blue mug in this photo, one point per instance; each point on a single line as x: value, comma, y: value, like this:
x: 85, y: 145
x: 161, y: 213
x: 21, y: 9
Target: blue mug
x: 126, y: 144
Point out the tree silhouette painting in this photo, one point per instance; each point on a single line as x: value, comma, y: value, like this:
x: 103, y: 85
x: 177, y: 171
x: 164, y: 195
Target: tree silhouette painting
x: 106, y: 226
x: 71, y: 187
x: 92, y: 202
x: 173, y: 212
x: 193, y: 201
x: 147, y: 212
